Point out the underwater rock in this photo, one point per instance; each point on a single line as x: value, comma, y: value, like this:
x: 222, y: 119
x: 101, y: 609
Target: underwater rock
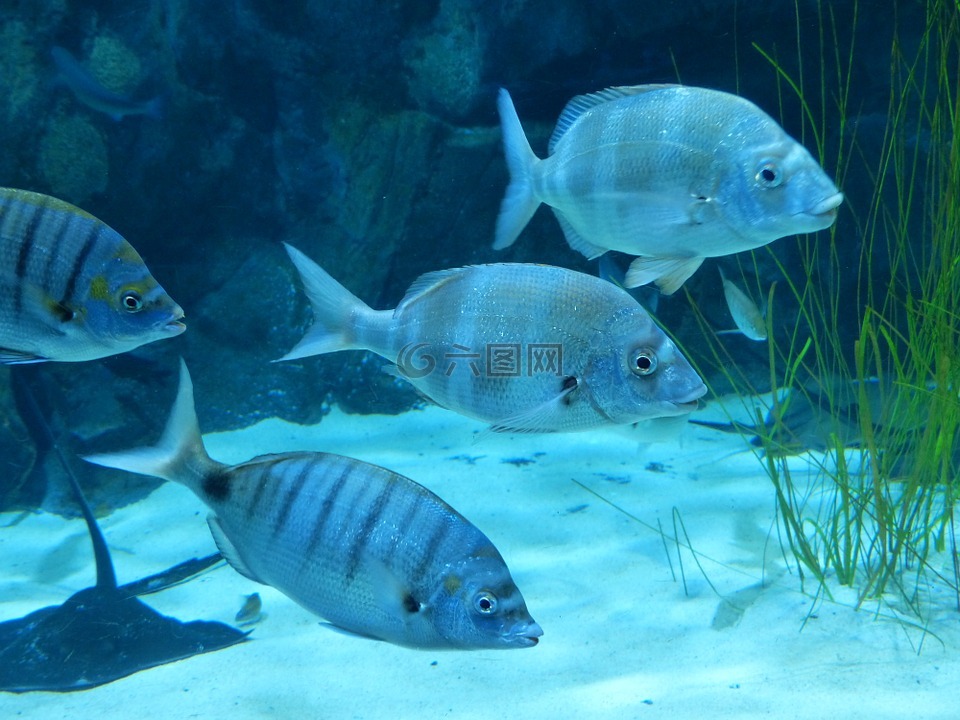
x: 23, y: 95
x: 17, y: 451
x: 73, y: 159
x: 446, y: 65
x: 19, y: 81
x: 114, y: 65
x: 76, y: 419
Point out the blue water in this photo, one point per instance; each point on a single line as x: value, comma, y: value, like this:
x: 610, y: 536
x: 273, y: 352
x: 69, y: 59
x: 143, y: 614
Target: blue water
x: 366, y: 134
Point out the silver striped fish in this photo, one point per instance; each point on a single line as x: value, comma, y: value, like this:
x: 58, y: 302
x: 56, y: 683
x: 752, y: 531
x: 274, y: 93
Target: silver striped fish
x: 527, y: 348
x: 71, y: 288
x: 671, y: 173
x: 371, y: 551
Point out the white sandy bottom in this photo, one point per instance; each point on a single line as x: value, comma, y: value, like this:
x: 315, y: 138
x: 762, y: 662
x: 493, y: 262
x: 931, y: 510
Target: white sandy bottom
x: 624, y: 635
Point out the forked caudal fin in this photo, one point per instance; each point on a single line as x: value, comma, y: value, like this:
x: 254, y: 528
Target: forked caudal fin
x: 334, y: 308
x: 519, y: 204
x: 179, y: 455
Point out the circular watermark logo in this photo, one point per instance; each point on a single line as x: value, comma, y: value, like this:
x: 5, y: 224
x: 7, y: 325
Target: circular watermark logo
x: 414, y: 362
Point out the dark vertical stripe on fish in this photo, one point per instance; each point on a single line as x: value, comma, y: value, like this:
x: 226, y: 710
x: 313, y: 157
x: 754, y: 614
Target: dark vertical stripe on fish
x: 362, y: 538
x: 64, y: 225
x: 78, y: 262
x: 292, y: 494
x: 325, y: 511
x: 27, y: 240
x: 260, y: 486
x: 406, y: 522
x: 437, y: 536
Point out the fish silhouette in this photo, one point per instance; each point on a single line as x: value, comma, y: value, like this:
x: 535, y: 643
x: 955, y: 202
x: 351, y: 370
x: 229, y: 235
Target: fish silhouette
x: 104, y: 632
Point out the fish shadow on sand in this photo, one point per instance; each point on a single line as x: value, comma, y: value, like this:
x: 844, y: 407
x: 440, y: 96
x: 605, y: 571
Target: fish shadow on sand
x: 104, y: 632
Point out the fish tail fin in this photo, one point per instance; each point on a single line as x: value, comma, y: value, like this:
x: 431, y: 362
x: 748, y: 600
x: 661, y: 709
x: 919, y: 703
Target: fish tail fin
x: 179, y: 455
x: 519, y: 204
x: 334, y: 310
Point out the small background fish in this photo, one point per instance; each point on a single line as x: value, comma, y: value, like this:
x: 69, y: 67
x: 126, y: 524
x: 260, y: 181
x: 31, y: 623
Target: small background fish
x: 744, y: 311
x: 251, y: 612
x: 93, y: 94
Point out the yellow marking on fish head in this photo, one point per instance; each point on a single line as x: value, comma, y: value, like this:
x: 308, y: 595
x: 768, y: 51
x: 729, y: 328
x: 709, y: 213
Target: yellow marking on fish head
x: 452, y: 584
x: 99, y: 288
x: 141, y: 286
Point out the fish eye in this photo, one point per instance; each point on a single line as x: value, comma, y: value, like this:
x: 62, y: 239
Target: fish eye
x: 769, y: 175
x: 131, y: 301
x: 485, y: 602
x: 644, y: 362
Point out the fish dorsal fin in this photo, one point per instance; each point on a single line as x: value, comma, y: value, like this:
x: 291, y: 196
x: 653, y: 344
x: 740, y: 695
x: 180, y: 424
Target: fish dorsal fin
x: 428, y: 282
x: 575, y: 239
x: 228, y: 550
x: 581, y: 103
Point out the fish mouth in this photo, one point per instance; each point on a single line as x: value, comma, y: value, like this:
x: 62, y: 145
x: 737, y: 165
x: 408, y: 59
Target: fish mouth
x: 826, y: 208
x: 687, y: 407
x: 689, y: 402
x: 525, y: 635
x: 174, y: 327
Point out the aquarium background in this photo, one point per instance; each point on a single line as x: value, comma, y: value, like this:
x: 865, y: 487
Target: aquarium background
x: 365, y: 133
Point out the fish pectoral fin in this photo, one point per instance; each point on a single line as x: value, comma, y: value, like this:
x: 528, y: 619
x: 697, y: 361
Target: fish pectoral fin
x: 545, y: 417
x: 229, y: 552
x: 51, y: 311
x: 391, y: 594
x: 700, y: 211
x: 38, y: 304
x: 669, y: 273
x: 575, y: 240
